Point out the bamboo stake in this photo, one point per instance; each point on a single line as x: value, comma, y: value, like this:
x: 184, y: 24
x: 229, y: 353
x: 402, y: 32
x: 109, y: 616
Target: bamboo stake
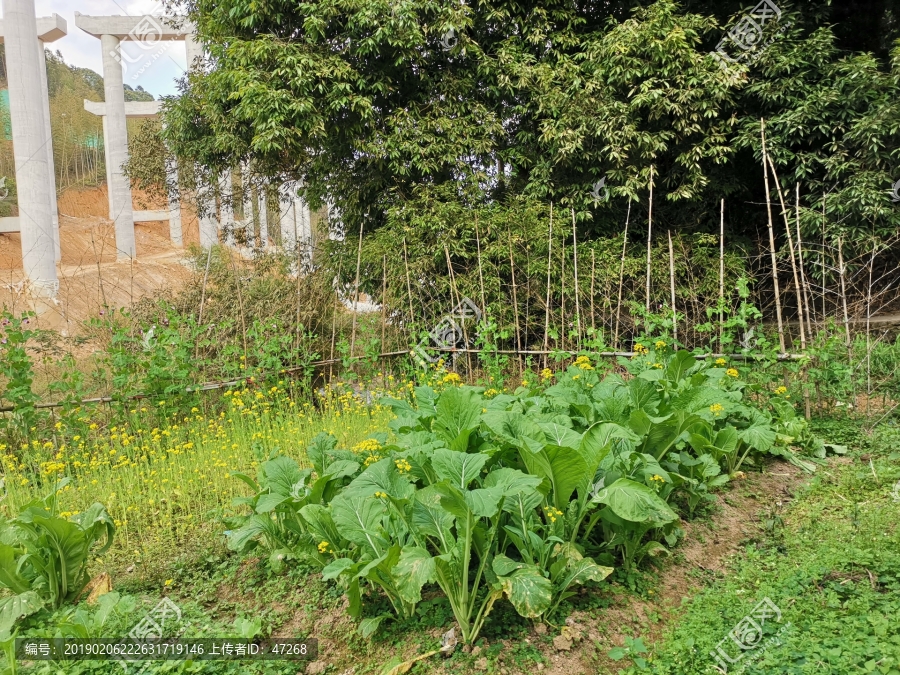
x: 762, y: 130
x: 843, y: 289
x: 807, y: 293
x: 822, y: 261
x: 356, y: 289
x: 787, y: 227
x: 412, y: 316
x: 672, y: 286
x: 577, y: 286
x: 562, y: 298
x: 237, y: 285
x: 383, y: 294
x: 593, y: 267
x: 512, y: 270
x: 649, y: 234
x: 480, y: 276
x: 721, y: 271
x: 621, y: 276
x: 549, y: 265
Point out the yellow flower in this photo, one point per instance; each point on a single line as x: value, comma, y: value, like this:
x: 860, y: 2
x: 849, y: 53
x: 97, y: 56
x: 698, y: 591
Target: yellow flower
x: 658, y: 478
x: 546, y: 374
x: 781, y: 390
x: 720, y: 362
x: 524, y: 383
x: 168, y: 582
x: 639, y: 348
x: 657, y: 365
x: 716, y: 408
x: 731, y: 372
x: 660, y: 344
x: 552, y: 513
x: 403, y: 466
x: 323, y: 547
x: 380, y: 495
x: 451, y: 378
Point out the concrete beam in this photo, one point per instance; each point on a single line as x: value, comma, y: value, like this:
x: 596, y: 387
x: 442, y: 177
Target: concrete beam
x: 145, y: 28
x: 9, y: 224
x: 149, y: 216
x: 49, y: 28
x: 137, y: 109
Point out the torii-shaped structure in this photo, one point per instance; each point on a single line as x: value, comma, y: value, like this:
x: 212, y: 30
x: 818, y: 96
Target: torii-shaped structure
x: 24, y: 37
x: 112, y: 30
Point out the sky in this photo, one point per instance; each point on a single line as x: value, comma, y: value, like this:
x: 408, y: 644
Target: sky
x: 155, y: 70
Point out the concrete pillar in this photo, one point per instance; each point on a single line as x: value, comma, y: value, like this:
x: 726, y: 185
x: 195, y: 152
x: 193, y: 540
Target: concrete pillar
x: 45, y: 107
x: 249, y: 220
x: 226, y: 209
x: 117, y: 136
x: 192, y: 49
x: 304, y: 230
x: 288, y: 223
x: 29, y: 146
x: 175, y: 233
x: 263, y: 220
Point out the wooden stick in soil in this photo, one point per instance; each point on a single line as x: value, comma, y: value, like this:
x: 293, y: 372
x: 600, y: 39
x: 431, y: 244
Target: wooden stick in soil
x: 593, y: 268
x: 621, y: 277
x: 549, y: 266
x: 237, y: 286
x: 807, y: 293
x: 202, y: 297
x: 787, y: 226
x: 672, y: 287
x: 480, y: 275
x: 762, y: 130
x: 562, y: 298
x: 412, y: 316
x: 334, y: 304
x: 577, y: 286
x: 721, y: 271
x: 356, y: 289
x: 512, y: 271
x: 843, y: 290
x: 649, y: 235
x: 383, y: 304
x: 868, y: 326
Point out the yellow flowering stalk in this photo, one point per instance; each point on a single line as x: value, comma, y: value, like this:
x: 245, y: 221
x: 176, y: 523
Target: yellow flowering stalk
x: 731, y: 372
x: 716, y: 409
x: 720, y: 361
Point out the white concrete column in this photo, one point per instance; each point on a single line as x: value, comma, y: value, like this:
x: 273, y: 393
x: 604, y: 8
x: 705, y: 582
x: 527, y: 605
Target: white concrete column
x: 45, y: 107
x: 108, y: 164
x: 249, y: 220
x: 226, y: 209
x: 304, y: 229
x: 263, y: 220
x: 288, y: 223
x: 175, y: 230
x: 209, y: 229
x: 117, y: 135
x: 192, y: 49
x: 29, y: 146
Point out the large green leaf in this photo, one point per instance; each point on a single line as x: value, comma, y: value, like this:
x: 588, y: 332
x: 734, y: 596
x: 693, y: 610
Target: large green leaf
x: 414, y: 569
x: 581, y: 571
x: 16, y: 607
x: 9, y: 570
x: 382, y: 476
x: 564, y: 468
x: 358, y: 519
x: 559, y: 435
x: 457, y: 468
x: 643, y: 395
x: 511, y: 481
x: 253, y: 527
x: 67, y: 543
x: 281, y: 474
x: 635, y: 502
x: 321, y: 524
x: 428, y: 517
x: 318, y: 450
x: 529, y: 591
x: 679, y: 366
x: 514, y: 428
x: 458, y: 415
x: 598, y: 441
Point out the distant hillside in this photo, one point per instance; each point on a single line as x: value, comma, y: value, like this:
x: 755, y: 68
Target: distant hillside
x: 77, y: 134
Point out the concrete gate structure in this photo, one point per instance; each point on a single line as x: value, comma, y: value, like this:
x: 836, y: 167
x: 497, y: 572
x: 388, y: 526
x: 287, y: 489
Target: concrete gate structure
x: 29, y: 105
